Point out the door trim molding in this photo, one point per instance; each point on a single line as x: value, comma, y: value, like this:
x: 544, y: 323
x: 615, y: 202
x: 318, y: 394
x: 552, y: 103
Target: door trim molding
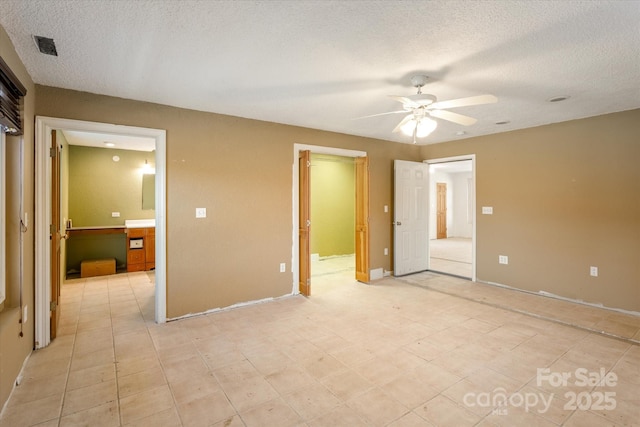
x: 43, y: 128
x: 471, y: 157
x: 315, y: 149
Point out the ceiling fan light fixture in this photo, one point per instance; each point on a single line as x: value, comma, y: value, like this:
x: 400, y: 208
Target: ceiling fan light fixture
x: 423, y: 127
x: 408, y: 127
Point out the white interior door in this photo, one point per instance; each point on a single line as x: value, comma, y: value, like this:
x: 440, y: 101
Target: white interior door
x: 411, y: 217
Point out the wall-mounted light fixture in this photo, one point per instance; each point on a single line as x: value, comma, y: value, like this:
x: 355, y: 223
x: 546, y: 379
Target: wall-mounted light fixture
x: 147, y: 169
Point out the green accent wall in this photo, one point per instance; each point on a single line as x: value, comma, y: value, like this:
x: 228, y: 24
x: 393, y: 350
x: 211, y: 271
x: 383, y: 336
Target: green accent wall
x: 99, y: 186
x: 80, y: 248
x: 333, y: 205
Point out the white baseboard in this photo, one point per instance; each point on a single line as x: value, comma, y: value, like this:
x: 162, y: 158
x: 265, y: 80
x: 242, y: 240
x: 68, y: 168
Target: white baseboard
x: 376, y: 274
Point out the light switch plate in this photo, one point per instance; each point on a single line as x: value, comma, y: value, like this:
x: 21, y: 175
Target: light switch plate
x: 201, y: 212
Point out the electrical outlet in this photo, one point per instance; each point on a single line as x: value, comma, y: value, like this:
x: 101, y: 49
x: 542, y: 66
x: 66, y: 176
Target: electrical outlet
x: 201, y: 212
x: 283, y: 267
x: 115, y: 214
x: 503, y: 259
x: 487, y: 210
x: 386, y: 251
x: 593, y: 271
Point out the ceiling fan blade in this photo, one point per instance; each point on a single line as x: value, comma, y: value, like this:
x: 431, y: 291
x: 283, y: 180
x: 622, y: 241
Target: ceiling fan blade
x: 453, y: 117
x: 464, y: 102
x: 403, y: 122
x: 407, y: 102
x: 380, y: 114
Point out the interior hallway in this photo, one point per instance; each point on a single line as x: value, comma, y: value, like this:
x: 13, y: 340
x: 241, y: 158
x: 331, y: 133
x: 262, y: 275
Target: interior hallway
x: 397, y: 352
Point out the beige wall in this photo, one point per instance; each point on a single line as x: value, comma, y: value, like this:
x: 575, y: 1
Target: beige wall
x: 14, y: 349
x: 241, y: 171
x: 565, y: 197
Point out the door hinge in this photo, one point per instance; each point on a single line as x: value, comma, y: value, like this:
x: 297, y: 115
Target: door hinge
x: 53, y: 305
x: 53, y: 152
x: 52, y: 229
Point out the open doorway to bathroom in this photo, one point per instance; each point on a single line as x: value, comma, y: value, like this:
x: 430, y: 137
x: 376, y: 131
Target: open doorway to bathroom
x: 451, y: 216
x: 45, y: 129
x: 89, y: 160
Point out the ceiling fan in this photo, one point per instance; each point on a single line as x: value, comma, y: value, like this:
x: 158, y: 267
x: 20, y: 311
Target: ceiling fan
x: 421, y: 107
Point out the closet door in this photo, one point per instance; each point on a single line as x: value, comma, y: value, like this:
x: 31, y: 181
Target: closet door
x: 304, y: 226
x: 362, y: 219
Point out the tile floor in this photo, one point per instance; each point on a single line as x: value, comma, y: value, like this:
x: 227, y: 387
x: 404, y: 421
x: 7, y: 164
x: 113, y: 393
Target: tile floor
x: 452, y: 256
x: 423, y: 350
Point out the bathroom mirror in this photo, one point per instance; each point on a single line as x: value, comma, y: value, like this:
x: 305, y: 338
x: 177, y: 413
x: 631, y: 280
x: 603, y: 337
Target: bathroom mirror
x: 148, y: 191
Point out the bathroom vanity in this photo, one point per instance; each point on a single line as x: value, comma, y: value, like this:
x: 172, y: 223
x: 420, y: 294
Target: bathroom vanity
x: 130, y: 247
x: 141, y: 245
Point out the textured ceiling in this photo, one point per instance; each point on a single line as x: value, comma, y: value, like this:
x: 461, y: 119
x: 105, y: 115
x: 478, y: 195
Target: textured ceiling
x: 321, y: 64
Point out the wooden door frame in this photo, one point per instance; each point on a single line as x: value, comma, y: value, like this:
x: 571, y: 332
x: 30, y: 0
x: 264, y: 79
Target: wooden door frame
x: 304, y: 211
x: 438, y: 230
x: 44, y: 126
x: 315, y: 149
x: 471, y: 157
x: 55, y: 235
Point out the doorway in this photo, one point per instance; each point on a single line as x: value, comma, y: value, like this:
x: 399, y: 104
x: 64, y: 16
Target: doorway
x: 43, y: 212
x: 452, y: 216
x: 333, y: 208
x: 302, y: 227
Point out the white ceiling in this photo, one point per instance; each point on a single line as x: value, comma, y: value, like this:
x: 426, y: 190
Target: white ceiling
x: 320, y: 64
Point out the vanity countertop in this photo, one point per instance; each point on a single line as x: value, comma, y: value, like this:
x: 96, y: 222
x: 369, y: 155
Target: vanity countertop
x: 106, y: 229
x: 139, y: 223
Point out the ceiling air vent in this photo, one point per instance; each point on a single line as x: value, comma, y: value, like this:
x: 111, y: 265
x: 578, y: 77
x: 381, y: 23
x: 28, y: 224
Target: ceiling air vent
x: 46, y: 45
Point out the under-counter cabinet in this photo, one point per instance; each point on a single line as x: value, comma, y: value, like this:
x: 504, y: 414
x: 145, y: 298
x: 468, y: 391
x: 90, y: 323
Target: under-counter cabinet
x: 141, y: 244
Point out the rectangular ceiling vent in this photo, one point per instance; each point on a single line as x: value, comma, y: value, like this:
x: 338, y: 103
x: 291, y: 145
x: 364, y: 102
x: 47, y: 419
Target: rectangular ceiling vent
x: 46, y: 45
x: 11, y: 94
